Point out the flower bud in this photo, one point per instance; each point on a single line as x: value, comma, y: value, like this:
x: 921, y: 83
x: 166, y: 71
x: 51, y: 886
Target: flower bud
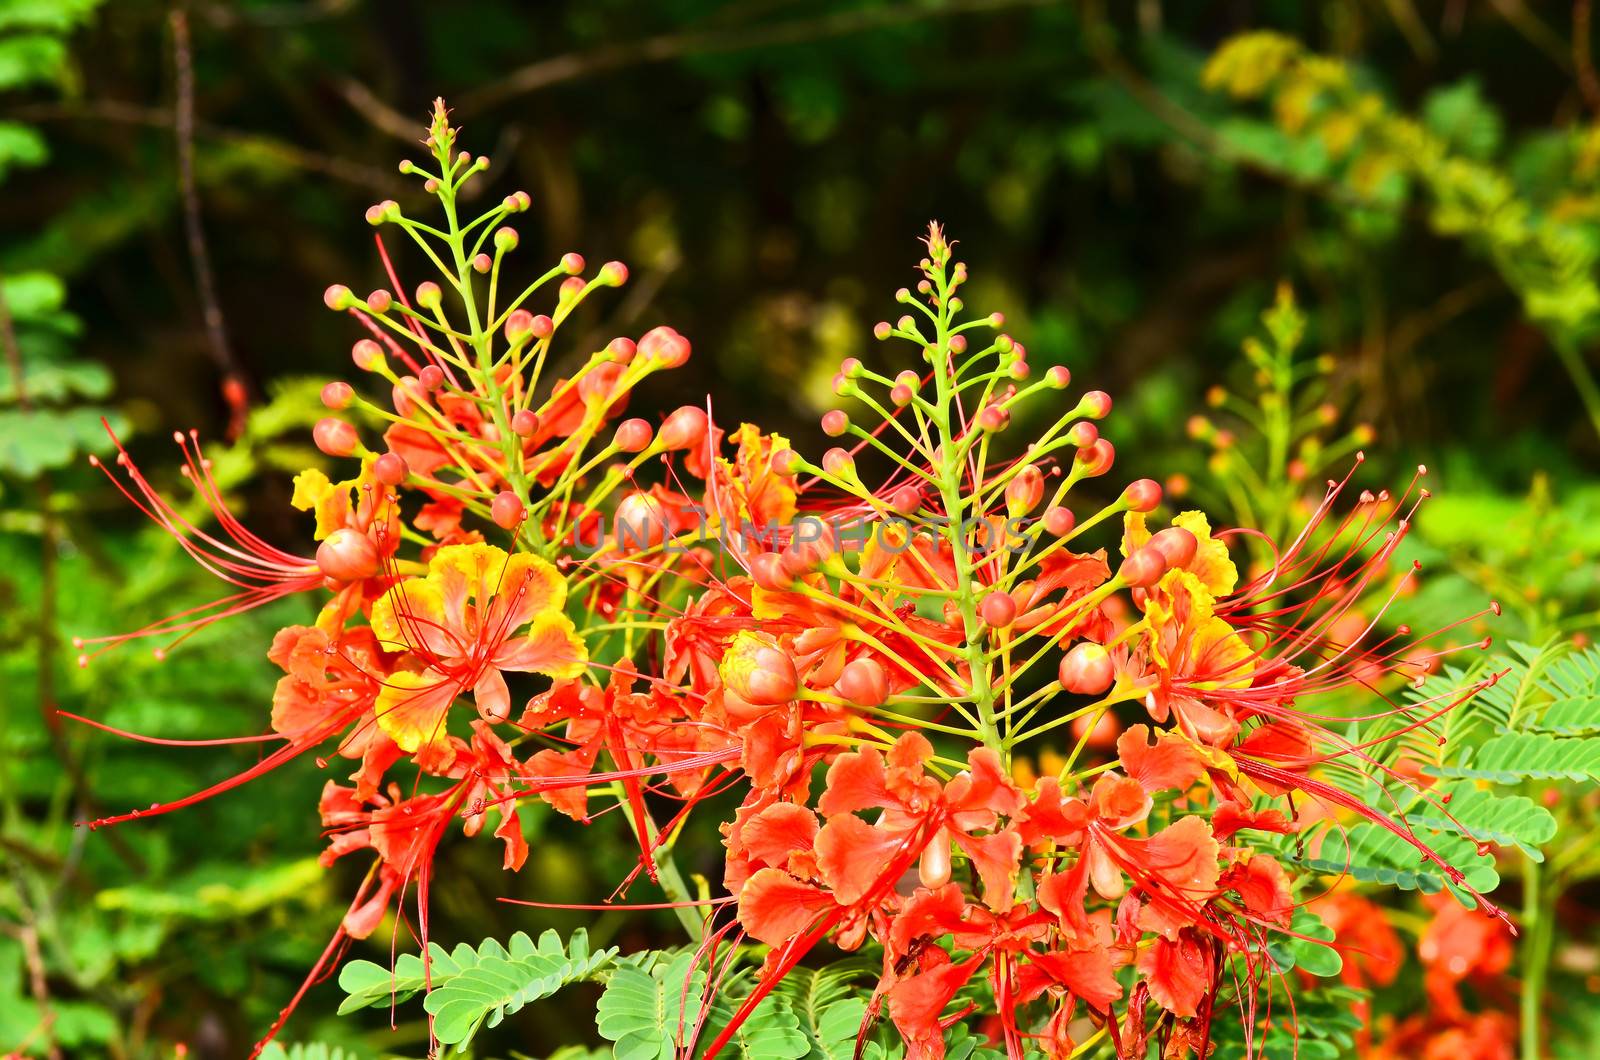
x: 882, y: 330
x: 993, y: 418
x: 335, y: 437
x: 519, y: 326
x: 572, y: 263
x: 664, y: 346
x: 838, y: 463
x: 906, y: 500
x: 756, y: 670
x: 1059, y: 521
x: 431, y: 377
x: 570, y: 289
x: 390, y: 469
x: 683, y: 429
x: 367, y: 355
x: 429, y: 296
x: 1096, y: 404
x: 901, y: 395
x: 1058, y: 376
x: 633, y: 436
x: 1098, y: 458
x: 850, y: 368
x: 1176, y: 545
x: 1024, y: 491
x: 835, y: 422
x: 507, y: 510
x: 1087, y: 670
x: 863, y: 682
x: 933, y: 868
x: 785, y: 461
x: 506, y: 239
x: 612, y: 274
x: 482, y: 263
x: 767, y: 570
x: 337, y: 396
x: 387, y: 210
x: 998, y: 609
x: 1144, y: 568
x: 338, y: 297
x: 1083, y: 434
x: 1142, y: 495
x: 641, y: 521
x: 524, y: 423
x: 348, y: 555
x: 621, y: 350
x: 380, y: 301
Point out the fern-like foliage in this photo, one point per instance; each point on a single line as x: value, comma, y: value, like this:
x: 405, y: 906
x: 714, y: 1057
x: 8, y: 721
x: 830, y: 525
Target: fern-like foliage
x: 476, y: 987
x: 660, y: 1013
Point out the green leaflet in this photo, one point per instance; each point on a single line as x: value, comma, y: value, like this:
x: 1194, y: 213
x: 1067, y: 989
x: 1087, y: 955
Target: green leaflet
x: 653, y: 1015
x: 1519, y: 756
x: 476, y: 987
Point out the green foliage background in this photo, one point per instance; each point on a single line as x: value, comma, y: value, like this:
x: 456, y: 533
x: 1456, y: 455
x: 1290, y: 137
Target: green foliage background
x: 764, y: 167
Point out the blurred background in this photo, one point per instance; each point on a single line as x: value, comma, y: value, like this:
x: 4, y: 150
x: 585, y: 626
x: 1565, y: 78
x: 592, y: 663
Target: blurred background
x: 179, y: 183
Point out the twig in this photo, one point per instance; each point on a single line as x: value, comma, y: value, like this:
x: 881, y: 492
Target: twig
x: 1582, y: 57
x: 205, y: 283
x: 383, y: 117
x: 110, y: 110
x: 676, y: 45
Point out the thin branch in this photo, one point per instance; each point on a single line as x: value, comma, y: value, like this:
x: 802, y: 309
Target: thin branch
x: 109, y: 110
x: 677, y: 45
x: 1582, y: 55
x: 205, y: 282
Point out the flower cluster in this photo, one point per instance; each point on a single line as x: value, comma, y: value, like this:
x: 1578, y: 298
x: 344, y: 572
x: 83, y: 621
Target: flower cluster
x: 874, y: 697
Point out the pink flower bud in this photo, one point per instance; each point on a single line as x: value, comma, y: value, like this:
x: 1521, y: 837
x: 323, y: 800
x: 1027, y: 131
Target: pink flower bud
x: 1024, y: 491
x: 835, y: 422
x: 335, y: 437
x: 482, y: 263
x: 767, y: 570
x: 1096, y: 404
x: 641, y: 521
x: 1059, y: 521
x: 507, y: 510
x: 1098, y: 458
x: 958, y: 344
x: 572, y: 263
x: 998, y: 609
x: 570, y: 288
x: 519, y: 326
x: 1087, y: 670
x: 379, y: 301
x: 367, y: 355
x: 1058, y: 376
x: 429, y: 296
x: 992, y: 418
x: 784, y: 461
x: 506, y: 239
x: 337, y: 396
x: 1176, y: 545
x: 633, y: 436
x: 906, y: 500
x: 598, y: 385
x: 664, y: 346
x: 431, y: 377
x: 863, y: 682
x: 1142, y: 495
x: 838, y: 463
x: 338, y: 297
x: 901, y: 395
x: 1144, y: 568
x: 758, y: 671
x: 1083, y: 434
x: 348, y: 555
x: 622, y: 350
x: 613, y: 274
x: 881, y: 330
x: 390, y: 469
x: 850, y: 368
x: 524, y: 423
x: 685, y: 428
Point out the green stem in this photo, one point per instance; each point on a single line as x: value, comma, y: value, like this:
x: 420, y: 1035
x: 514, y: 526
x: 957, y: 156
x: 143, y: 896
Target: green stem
x: 1538, y: 921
